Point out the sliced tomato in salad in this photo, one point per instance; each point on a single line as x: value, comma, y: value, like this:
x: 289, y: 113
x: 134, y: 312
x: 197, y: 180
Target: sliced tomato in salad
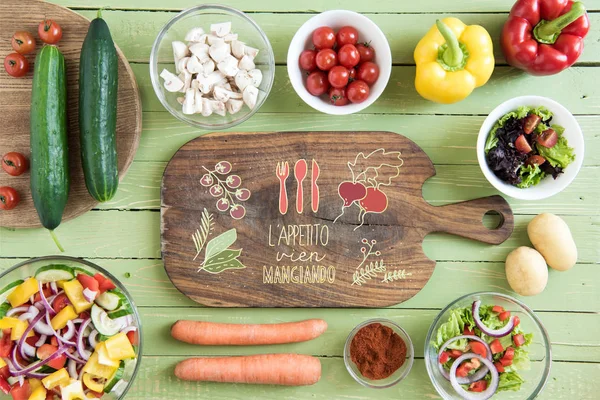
x: 503, y: 316
x: 463, y: 370
x: 505, y: 362
x: 46, y: 350
x: 478, y: 348
x: 497, y: 309
x: 469, y: 331
x: 4, y: 385
x: 518, y: 340
x: 88, y: 282
x: 499, y: 366
x: 496, y: 346
x: 454, y: 353
x: 517, y: 320
x: 47, y: 293
x: 60, y: 302
x: 509, y: 354
x: 5, y: 344
x: 20, y: 392
x: 4, y: 372
x: 478, y: 386
x: 104, y: 283
x: 133, y: 337
x: 32, y: 340
x: 444, y: 357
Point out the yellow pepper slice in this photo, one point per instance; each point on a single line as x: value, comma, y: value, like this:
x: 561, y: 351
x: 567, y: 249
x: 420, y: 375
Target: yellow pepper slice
x: 119, y: 347
x: 9, y: 322
x: 453, y: 59
x: 104, y: 358
x: 34, y: 383
x: 73, y: 391
x: 23, y: 292
x: 2, y: 363
x: 74, y: 292
x: 58, y: 378
x: 38, y: 393
x: 92, y: 384
x: 65, y: 315
x: 95, y: 368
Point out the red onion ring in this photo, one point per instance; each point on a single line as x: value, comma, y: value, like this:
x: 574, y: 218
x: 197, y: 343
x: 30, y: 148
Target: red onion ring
x: 83, y: 353
x: 477, y: 375
x: 128, y: 329
x: 53, y: 287
x: 24, y: 336
x: 487, y: 393
x: 72, y: 369
x: 17, y: 310
x: 42, y: 340
x: 17, y: 369
x: 501, y: 332
x: 68, y: 335
x: 75, y: 358
x: 89, y: 295
x: 45, y: 302
x: 92, y: 338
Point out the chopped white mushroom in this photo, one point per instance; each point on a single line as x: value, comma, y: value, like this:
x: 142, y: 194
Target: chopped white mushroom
x: 212, y: 39
x: 219, y: 108
x: 194, y: 65
x: 206, y: 107
x: 242, y: 79
x: 230, y: 37
x: 180, y: 100
x: 250, y: 96
x: 186, y: 77
x: 200, y: 50
x: 207, y: 82
x: 250, y: 51
x: 182, y: 64
x: 222, y: 94
x: 180, y: 50
x: 228, y: 86
x: 195, y: 84
x: 208, y: 66
x: 197, y: 102
x: 247, y: 63
x: 221, y: 29
x: 237, y: 49
x: 256, y: 76
x: 229, y: 66
x: 195, y: 35
x: 234, y: 106
x: 219, y: 51
x: 188, y: 103
x: 172, y: 82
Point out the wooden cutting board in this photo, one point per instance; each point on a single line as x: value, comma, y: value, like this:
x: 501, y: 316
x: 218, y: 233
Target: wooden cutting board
x: 15, y: 97
x: 353, y: 238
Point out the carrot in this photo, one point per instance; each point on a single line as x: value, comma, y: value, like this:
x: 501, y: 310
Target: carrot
x: 212, y: 334
x: 267, y: 369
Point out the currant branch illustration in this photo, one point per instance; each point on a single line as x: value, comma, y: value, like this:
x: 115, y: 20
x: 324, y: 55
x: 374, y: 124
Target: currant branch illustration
x: 368, y: 271
x: 206, y: 226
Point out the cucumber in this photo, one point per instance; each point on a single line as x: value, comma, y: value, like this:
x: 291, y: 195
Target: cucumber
x: 122, y: 311
x: 4, y: 309
x: 98, y: 84
x: 79, y: 270
x: 8, y: 289
x: 129, y: 368
x: 102, y: 322
x: 111, y: 300
x: 48, y: 127
x: 116, y: 376
x: 54, y: 273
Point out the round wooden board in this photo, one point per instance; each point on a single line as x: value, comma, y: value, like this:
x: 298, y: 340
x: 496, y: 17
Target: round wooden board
x: 15, y: 95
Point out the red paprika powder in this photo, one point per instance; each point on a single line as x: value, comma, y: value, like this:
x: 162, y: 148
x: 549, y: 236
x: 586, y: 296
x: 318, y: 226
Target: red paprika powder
x: 377, y: 351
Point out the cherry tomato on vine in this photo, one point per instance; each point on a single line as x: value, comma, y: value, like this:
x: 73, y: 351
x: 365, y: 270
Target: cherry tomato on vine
x: 16, y: 65
x: 14, y: 163
x: 323, y: 38
x: 338, y: 76
x: 317, y: 83
x: 357, y: 91
x: 23, y: 42
x: 368, y: 72
x: 352, y: 72
x: 366, y: 51
x: 307, y: 60
x: 338, y: 97
x: 326, y: 59
x: 348, y: 56
x: 347, y: 35
x: 9, y: 198
x: 49, y: 31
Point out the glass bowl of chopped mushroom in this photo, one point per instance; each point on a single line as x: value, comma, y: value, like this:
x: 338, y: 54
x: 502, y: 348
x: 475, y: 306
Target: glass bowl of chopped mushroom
x: 212, y: 66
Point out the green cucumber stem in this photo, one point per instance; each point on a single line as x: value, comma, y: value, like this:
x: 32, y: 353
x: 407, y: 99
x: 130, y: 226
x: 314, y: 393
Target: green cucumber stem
x: 547, y: 32
x: 453, y: 55
x: 56, y: 241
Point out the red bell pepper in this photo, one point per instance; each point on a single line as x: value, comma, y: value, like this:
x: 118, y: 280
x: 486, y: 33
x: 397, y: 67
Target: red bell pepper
x: 544, y: 37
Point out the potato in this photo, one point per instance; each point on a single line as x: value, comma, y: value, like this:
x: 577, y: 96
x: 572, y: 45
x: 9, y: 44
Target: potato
x: 551, y: 236
x: 526, y: 271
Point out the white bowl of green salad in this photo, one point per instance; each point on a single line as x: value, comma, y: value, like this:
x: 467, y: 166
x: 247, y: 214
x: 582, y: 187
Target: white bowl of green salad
x: 488, y: 345
x: 69, y: 329
x: 530, y: 147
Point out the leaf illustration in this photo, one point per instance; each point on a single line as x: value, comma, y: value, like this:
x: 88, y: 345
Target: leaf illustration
x: 206, y: 226
x: 369, y: 272
x: 224, y: 256
x: 378, y: 165
x: 220, y: 267
x: 220, y: 243
x: 395, y: 275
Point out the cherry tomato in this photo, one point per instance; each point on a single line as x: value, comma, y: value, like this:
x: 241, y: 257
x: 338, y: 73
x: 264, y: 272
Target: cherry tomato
x: 368, y: 72
x: 49, y: 31
x: 23, y: 42
x: 367, y: 53
x: 317, y: 83
x: 46, y: 350
x: 347, y: 35
x: 357, y: 91
x: 60, y: 302
x: 16, y: 65
x: 326, y: 59
x: 14, y: 163
x: 352, y: 72
x: 349, y: 56
x: 9, y: 198
x: 338, y: 76
x: 338, y: 96
x: 323, y: 38
x: 307, y: 60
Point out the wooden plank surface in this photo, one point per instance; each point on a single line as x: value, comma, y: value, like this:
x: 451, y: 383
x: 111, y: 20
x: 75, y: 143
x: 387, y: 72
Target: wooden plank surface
x: 123, y: 235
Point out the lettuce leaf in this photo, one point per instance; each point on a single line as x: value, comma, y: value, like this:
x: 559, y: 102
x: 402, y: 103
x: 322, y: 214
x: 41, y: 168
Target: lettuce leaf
x: 510, y: 381
x: 531, y: 175
x: 561, y: 154
x: 521, y: 112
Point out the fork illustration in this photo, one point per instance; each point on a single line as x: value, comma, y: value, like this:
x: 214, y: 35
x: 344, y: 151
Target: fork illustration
x: 282, y: 172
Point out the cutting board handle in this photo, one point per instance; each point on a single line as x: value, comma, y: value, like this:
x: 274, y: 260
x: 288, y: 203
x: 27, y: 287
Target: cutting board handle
x: 466, y: 219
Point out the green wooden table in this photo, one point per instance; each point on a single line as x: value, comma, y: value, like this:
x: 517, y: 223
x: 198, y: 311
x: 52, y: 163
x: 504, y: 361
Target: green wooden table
x: 123, y: 235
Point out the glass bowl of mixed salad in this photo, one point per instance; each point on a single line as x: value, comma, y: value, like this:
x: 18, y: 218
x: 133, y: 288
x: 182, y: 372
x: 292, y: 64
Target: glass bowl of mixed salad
x: 488, y: 345
x: 69, y: 330
x: 530, y: 147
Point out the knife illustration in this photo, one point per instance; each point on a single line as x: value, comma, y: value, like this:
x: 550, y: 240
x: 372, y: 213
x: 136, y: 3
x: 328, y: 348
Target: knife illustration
x: 314, y: 187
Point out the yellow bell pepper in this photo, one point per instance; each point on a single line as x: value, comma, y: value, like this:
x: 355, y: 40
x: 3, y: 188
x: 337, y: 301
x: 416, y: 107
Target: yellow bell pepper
x: 74, y: 292
x: 453, y: 59
x: 2, y: 363
x: 23, y: 292
x: 65, y: 315
x: 34, y: 383
x: 16, y: 326
x: 104, y: 358
x: 73, y: 391
x: 93, y: 367
x: 92, y: 384
x: 58, y: 378
x: 119, y: 347
x: 39, y: 393
x: 9, y: 322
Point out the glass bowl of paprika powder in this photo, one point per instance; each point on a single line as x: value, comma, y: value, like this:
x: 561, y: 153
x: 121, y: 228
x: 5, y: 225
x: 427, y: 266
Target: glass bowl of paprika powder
x: 378, y: 353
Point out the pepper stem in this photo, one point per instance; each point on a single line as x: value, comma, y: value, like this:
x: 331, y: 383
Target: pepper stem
x: 547, y: 32
x: 453, y: 55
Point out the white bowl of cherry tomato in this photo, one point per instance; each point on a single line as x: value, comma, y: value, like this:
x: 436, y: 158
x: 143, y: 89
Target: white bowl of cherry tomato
x: 339, y: 62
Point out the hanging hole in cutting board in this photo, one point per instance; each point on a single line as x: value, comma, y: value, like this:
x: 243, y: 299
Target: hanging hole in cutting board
x: 492, y: 220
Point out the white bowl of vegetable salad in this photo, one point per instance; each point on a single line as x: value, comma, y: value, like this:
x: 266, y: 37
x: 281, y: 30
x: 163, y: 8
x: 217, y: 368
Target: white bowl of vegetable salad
x: 530, y: 148
x: 70, y: 330
x: 488, y: 345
